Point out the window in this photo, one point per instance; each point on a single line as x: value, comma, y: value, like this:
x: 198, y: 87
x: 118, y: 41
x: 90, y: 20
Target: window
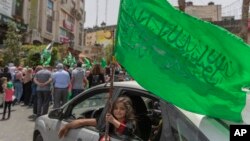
x: 80, y: 35
x: 49, y: 24
x: 86, y: 108
x: 70, y: 19
x: 147, y: 113
x: 63, y: 32
x: 182, y: 128
x: 50, y: 4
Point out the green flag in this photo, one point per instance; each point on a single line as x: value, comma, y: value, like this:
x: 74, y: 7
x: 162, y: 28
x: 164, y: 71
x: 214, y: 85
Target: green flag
x: 87, y: 62
x: 103, y: 63
x: 69, y: 60
x: 46, y: 54
x: 191, y: 63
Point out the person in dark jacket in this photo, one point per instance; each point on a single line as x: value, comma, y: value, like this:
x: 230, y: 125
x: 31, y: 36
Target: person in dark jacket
x: 96, y: 76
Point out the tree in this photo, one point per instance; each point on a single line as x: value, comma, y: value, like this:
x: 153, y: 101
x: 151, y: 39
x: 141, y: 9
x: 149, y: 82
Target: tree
x: 244, y: 21
x: 33, y: 54
x: 12, y: 45
x: 182, y: 5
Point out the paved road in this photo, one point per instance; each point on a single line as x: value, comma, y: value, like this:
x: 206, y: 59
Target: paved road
x: 19, y: 127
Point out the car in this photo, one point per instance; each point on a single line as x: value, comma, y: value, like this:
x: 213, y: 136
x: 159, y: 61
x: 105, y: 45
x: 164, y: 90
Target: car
x: 157, y: 119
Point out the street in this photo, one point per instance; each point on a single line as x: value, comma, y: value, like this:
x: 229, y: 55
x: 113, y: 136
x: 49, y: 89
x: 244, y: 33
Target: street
x: 19, y: 127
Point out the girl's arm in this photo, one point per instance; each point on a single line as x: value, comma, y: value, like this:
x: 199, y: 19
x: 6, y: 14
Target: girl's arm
x: 76, y: 124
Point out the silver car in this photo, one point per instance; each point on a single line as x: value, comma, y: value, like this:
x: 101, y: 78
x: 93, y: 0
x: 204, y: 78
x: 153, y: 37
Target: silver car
x: 157, y: 120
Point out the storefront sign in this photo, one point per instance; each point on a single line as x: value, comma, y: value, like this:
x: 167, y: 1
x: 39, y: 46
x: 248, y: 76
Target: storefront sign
x: 6, y: 7
x: 4, y: 20
x: 64, y: 40
x: 68, y: 25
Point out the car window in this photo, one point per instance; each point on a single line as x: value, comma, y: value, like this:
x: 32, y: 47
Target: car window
x: 154, y: 113
x: 182, y: 128
x: 88, y: 107
x: 147, y: 113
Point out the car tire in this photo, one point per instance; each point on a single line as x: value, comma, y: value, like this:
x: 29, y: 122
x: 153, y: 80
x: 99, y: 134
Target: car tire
x: 39, y: 138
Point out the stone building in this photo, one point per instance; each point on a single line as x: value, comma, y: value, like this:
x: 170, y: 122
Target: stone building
x: 98, y: 42
x: 16, y: 11
x: 210, y: 12
x: 61, y: 21
x: 42, y: 21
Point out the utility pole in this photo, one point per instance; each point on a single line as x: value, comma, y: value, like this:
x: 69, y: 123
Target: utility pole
x: 182, y: 5
x: 244, y: 20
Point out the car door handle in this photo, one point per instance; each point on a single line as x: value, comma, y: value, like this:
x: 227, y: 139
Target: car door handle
x: 79, y: 139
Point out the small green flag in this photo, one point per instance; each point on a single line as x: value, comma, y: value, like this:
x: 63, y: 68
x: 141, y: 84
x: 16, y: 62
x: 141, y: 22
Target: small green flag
x: 69, y: 60
x: 46, y: 54
x: 191, y: 63
x: 103, y: 63
x: 87, y: 62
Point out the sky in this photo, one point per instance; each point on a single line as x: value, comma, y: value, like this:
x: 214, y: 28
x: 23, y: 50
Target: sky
x: 109, y: 16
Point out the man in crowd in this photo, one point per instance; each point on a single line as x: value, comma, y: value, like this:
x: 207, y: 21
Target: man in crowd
x: 61, y: 80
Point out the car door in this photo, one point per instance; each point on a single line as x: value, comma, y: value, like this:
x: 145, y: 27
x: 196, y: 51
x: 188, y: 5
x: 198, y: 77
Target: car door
x: 178, y: 127
x: 90, y: 104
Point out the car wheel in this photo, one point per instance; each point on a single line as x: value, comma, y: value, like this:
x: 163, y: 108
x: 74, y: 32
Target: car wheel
x: 39, y: 138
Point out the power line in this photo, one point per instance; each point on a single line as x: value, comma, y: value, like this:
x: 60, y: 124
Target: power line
x: 233, y: 3
x: 233, y: 9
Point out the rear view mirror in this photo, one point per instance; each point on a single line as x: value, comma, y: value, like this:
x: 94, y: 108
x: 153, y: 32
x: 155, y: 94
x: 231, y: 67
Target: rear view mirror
x: 56, y: 114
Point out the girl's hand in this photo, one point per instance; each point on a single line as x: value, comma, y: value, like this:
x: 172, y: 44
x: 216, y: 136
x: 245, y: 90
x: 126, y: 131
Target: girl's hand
x: 63, y: 132
x: 110, y: 118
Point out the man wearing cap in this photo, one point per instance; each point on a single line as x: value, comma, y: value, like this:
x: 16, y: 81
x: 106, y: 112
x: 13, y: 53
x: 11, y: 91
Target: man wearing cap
x: 61, y: 80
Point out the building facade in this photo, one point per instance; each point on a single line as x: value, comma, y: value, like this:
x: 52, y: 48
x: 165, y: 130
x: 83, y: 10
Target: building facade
x: 210, y: 12
x: 13, y: 10
x: 99, y: 42
x: 58, y: 20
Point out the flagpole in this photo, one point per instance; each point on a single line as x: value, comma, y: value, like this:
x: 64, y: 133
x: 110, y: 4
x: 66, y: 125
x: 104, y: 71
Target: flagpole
x: 112, y: 67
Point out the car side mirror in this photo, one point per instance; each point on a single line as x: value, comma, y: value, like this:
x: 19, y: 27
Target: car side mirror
x: 56, y: 114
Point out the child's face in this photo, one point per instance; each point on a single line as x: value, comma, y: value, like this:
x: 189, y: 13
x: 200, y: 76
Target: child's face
x: 119, y: 111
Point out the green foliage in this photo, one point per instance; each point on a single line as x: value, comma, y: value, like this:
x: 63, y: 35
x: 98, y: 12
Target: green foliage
x: 26, y: 55
x: 54, y: 56
x: 12, y: 45
x: 34, y: 53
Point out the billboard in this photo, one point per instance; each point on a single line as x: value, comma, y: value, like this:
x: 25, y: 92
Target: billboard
x: 6, y: 7
x: 104, y: 37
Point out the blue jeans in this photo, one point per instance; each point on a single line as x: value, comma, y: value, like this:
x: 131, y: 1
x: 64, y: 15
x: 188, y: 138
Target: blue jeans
x: 18, y: 90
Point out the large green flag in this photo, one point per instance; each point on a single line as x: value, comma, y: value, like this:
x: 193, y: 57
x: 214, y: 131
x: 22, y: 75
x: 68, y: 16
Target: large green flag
x: 191, y: 63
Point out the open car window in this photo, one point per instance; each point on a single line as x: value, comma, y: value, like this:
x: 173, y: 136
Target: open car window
x: 147, y: 113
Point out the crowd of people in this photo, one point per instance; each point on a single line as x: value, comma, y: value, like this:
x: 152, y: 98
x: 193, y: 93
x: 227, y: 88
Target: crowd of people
x: 41, y: 86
